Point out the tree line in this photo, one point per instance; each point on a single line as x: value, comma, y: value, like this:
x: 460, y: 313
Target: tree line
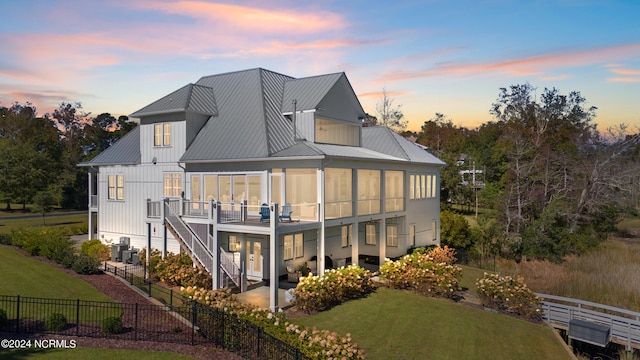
x: 39, y: 154
x: 553, y: 183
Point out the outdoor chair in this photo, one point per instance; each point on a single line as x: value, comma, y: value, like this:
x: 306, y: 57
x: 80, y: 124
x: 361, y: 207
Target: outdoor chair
x: 286, y: 212
x: 265, y: 212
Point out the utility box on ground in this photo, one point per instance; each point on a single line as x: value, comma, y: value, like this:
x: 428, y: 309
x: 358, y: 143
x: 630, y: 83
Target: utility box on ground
x: 589, y: 332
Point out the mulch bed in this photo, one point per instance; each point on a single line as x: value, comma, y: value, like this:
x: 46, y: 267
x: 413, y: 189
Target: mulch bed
x: 119, y: 291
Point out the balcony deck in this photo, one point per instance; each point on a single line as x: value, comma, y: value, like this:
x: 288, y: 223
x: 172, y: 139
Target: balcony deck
x: 229, y: 217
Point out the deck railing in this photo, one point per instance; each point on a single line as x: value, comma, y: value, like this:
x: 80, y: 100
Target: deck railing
x: 624, y: 324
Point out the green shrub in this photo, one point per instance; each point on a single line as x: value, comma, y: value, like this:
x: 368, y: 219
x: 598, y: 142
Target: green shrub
x: 430, y: 274
x: 508, y: 295
x: 112, y: 325
x: 5, y: 239
x: 3, y: 317
x: 85, y: 264
x: 314, y: 293
x: 52, y: 243
x: 66, y: 258
x: 56, y: 322
x: 96, y: 249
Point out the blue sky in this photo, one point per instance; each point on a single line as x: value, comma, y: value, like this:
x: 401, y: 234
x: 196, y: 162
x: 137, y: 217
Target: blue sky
x: 430, y: 56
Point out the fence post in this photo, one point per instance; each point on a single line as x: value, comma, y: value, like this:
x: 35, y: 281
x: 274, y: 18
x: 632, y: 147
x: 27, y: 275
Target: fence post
x: 135, y: 327
x: 18, y: 315
x: 78, y: 317
x: 259, y: 337
x: 297, y: 354
x: 149, y: 288
x: 171, y: 299
x: 194, y: 316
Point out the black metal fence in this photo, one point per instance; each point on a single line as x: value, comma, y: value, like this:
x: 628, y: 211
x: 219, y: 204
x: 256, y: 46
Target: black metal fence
x: 192, y: 324
x: 182, y: 320
x: 137, y: 276
x: 96, y: 319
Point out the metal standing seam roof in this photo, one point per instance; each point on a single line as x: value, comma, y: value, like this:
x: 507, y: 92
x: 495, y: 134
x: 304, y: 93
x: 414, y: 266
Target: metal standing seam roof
x: 379, y: 143
x: 249, y: 123
x: 308, y: 92
x: 125, y: 151
x: 386, y: 141
x: 191, y: 97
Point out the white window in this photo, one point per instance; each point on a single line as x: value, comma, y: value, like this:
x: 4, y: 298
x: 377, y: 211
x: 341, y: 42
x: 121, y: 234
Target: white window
x: 392, y: 235
x: 338, y: 189
x: 412, y: 187
x: 370, y: 234
x: 337, y: 132
x: 346, y: 229
x: 298, y: 241
x: 288, y: 247
x: 293, y: 246
x: 412, y: 235
x: 162, y: 134
x: 301, y: 192
x: 116, y: 187
x: 234, y: 243
x: 173, y: 185
x: 368, y: 192
x: 394, y: 190
x: 423, y: 186
x: 433, y: 186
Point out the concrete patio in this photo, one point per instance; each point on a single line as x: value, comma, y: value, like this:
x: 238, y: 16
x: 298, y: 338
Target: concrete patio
x: 260, y: 297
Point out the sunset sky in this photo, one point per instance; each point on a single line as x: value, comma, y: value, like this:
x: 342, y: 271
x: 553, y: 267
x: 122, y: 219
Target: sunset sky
x: 431, y: 56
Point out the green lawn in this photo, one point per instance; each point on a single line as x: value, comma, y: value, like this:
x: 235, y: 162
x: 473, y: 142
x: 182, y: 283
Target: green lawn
x: 69, y: 222
x: 26, y: 276
x: 392, y: 324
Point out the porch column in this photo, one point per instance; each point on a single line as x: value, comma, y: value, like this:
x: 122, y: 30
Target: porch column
x: 321, y: 249
x: 90, y: 192
x: 355, y: 230
x: 164, y: 240
x: 243, y: 260
x: 273, y: 258
x: 148, y: 252
x: 383, y: 241
x: 213, y: 245
x: 163, y: 208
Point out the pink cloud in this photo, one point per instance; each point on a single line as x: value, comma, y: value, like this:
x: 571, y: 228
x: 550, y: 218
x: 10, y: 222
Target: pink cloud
x: 525, y: 66
x: 624, y: 79
x: 327, y: 44
x: 626, y: 71
x: 236, y: 17
x: 378, y: 94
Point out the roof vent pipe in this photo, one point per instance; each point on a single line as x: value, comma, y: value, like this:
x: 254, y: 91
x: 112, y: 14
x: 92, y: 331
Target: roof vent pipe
x: 295, y: 103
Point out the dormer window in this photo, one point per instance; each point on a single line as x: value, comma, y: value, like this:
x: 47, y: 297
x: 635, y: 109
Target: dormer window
x: 337, y: 132
x: 162, y: 134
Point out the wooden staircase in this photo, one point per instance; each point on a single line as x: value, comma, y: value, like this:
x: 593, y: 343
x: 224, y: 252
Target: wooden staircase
x: 201, y: 254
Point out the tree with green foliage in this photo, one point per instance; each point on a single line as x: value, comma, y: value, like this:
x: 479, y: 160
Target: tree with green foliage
x: 454, y: 230
x: 45, y: 201
x: 29, y: 154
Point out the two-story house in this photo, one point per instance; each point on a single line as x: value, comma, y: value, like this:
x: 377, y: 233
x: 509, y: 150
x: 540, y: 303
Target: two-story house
x: 212, y: 166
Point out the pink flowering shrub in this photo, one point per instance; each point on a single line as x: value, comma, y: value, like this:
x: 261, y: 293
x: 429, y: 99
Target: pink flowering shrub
x: 176, y: 270
x: 508, y: 295
x: 316, y: 344
x: 443, y: 254
x: 421, y: 273
x: 317, y: 293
